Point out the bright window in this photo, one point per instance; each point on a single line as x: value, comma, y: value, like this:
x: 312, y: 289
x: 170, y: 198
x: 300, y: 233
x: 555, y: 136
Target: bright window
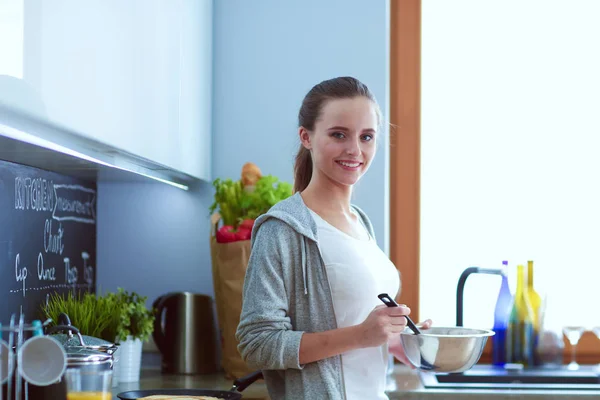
x: 510, y: 153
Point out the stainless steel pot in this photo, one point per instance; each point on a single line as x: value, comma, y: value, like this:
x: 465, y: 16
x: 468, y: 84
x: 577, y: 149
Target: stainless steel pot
x: 83, y: 352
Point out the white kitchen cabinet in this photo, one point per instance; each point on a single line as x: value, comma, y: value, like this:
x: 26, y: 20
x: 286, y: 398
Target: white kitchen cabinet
x: 133, y: 74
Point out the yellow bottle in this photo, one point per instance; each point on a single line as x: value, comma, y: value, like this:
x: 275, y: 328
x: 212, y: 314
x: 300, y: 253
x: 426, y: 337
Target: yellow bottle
x: 534, y: 298
x: 536, y: 302
x: 520, y: 325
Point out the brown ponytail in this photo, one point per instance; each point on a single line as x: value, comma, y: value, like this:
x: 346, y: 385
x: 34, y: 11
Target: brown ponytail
x: 302, y: 169
x: 336, y: 88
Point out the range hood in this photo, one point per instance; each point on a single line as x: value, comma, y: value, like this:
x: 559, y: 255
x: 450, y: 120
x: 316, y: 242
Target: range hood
x: 33, y: 141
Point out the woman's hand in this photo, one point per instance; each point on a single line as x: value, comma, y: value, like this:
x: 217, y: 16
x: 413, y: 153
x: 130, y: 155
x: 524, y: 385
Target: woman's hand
x: 382, y: 324
x: 395, y: 345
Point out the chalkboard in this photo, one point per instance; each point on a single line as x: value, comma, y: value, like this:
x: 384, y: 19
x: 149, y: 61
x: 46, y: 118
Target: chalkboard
x: 47, y: 238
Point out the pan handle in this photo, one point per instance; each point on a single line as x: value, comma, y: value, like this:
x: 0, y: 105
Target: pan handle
x: 242, y: 383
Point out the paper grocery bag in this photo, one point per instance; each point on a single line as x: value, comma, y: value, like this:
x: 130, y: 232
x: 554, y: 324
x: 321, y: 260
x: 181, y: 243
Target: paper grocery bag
x: 229, y: 262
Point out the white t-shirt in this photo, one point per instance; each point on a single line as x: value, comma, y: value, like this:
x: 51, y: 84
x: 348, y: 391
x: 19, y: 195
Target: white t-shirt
x: 358, y: 271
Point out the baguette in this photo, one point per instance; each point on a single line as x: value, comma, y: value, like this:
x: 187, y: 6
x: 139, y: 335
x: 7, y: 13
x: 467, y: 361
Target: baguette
x: 250, y: 174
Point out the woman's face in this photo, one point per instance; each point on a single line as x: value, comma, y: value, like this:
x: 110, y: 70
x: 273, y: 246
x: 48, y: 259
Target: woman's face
x: 343, y: 142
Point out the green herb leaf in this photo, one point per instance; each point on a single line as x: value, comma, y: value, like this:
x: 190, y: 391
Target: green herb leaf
x: 235, y: 204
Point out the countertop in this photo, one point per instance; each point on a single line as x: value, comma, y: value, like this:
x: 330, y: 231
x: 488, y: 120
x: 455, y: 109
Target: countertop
x: 404, y: 383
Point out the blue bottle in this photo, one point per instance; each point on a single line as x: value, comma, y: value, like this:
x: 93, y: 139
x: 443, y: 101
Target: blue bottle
x: 500, y: 353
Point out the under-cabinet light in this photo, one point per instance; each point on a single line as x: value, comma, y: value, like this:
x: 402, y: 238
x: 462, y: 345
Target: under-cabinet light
x: 32, y: 139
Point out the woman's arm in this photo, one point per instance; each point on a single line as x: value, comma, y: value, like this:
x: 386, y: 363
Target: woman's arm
x: 320, y: 345
x: 265, y: 335
x: 382, y: 324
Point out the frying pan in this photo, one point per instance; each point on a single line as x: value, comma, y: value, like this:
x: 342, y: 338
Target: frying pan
x: 234, y: 394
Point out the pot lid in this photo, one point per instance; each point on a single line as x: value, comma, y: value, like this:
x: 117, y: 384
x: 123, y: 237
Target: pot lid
x: 84, y: 341
x: 74, y: 338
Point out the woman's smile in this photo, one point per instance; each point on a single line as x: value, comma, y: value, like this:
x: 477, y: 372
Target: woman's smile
x: 349, y: 165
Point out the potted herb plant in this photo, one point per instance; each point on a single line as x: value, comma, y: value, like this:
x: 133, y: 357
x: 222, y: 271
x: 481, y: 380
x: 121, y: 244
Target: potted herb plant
x: 93, y: 316
x: 135, y: 325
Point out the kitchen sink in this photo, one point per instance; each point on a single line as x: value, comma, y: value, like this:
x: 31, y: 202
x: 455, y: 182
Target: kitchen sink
x: 491, y: 377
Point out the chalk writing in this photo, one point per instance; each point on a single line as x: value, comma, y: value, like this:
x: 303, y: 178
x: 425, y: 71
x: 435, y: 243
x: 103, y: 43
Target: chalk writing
x: 20, y: 273
x: 48, y: 274
x: 34, y: 194
x: 88, y: 270
x: 54, y: 286
x: 74, y: 203
x: 53, y: 241
x: 70, y: 273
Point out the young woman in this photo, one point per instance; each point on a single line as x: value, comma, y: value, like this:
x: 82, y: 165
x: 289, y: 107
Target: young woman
x: 311, y: 319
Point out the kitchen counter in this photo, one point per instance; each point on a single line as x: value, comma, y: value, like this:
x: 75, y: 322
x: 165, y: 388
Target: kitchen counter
x: 404, y: 383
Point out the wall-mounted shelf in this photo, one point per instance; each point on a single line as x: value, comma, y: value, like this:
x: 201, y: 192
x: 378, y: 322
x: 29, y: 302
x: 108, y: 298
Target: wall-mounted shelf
x: 30, y: 140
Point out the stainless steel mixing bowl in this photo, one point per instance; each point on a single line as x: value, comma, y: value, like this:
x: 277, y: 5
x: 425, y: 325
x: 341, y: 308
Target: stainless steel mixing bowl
x: 444, y: 349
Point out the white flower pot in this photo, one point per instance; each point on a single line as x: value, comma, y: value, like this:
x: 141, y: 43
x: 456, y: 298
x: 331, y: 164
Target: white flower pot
x: 116, y: 356
x: 130, y: 359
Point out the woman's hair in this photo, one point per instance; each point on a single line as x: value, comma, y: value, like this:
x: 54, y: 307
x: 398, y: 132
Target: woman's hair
x: 337, y: 88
